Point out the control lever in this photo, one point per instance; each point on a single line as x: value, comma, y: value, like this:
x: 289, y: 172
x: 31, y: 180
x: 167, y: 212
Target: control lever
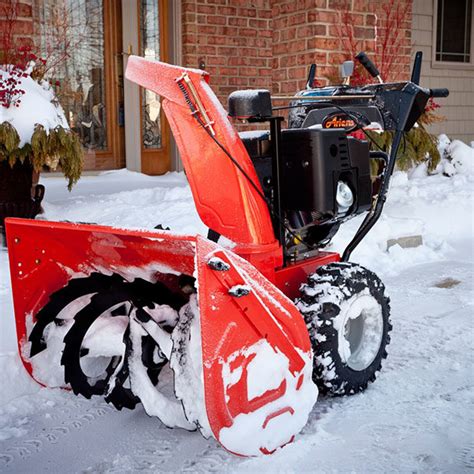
x: 369, y: 66
x: 347, y: 68
x: 311, y: 76
x: 416, y: 72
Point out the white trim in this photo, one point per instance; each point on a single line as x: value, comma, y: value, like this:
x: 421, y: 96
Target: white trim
x: 131, y: 91
x: 176, y: 56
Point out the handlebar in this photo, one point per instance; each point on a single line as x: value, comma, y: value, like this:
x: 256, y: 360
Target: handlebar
x: 439, y: 92
x: 368, y: 64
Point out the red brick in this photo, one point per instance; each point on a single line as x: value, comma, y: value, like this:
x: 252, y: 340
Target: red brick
x: 249, y: 12
x: 238, y: 21
x: 228, y: 11
x: 297, y: 73
x: 322, y: 17
x: 260, y: 24
x: 23, y: 27
x: 208, y: 9
x: 216, y: 20
x: 215, y: 60
x: 189, y: 6
x: 370, y: 19
x: 288, y: 61
x: 188, y: 18
x: 238, y: 81
x: 24, y: 10
x: 217, y: 40
x: 226, y: 71
x: 288, y: 34
x: 226, y: 51
x: 264, y: 13
x: 297, y: 19
x: 207, y: 49
x: 367, y: 33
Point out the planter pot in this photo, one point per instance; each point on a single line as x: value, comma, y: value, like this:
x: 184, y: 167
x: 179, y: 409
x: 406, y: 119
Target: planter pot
x: 19, y: 197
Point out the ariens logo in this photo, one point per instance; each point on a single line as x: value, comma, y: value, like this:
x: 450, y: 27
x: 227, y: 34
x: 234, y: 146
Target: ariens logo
x: 339, y: 120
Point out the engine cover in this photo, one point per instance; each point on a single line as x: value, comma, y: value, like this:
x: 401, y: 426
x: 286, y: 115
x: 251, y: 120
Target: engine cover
x: 314, y: 161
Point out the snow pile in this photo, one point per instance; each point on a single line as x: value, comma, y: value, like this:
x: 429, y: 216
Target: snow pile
x: 125, y: 199
x: 36, y: 106
x: 434, y: 207
x: 456, y: 157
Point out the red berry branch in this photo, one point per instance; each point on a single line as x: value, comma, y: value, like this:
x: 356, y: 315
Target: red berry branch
x: 392, y: 16
x: 10, y: 91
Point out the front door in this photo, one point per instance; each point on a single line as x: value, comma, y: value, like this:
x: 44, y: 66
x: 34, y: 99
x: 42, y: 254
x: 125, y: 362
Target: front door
x: 80, y: 40
x: 145, y: 34
x: 88, y: 42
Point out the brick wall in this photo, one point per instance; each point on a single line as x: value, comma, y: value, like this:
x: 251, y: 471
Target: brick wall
x: 270, y: 43
x: 310, y: 30
x: 24, y: 25
x: 233, y: 39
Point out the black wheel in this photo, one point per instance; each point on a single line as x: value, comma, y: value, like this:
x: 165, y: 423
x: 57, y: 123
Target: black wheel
x: 348, y: 319
x: 94, y: 369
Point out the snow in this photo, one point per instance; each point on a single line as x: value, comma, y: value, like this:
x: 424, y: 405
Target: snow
x: 254, y: 134
x: 218, y: 264
x: 38, y: 97
x: 125, y: 199
x: 155, y: 403
x: 417, y: 416
x: 456, y: 156
x: 365, y: 306
x: 275, y: 423
x: 186, y: 362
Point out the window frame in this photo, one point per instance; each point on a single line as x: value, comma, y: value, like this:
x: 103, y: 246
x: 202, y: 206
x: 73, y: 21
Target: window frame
x: 435, y: 64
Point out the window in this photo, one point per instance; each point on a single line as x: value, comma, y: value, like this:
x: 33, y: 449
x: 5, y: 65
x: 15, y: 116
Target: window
x: 72, y: 37
x: 454, y: 31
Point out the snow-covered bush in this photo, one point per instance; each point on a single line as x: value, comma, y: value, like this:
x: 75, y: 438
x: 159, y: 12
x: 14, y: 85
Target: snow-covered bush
x: 456, y: 157
x: 32, y: 122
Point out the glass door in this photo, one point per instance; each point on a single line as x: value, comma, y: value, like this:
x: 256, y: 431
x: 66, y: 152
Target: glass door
x: 147, y: 132
x: 81, y: 39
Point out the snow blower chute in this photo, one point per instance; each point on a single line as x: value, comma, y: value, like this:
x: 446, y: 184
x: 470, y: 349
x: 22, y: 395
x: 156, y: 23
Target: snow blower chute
x: 102, y: 310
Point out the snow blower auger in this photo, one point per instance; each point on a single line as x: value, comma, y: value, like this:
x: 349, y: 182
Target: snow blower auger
x: 101, y: 310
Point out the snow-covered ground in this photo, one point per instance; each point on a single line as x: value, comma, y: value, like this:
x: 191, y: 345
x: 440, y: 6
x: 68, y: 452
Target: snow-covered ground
x: 417, y: 417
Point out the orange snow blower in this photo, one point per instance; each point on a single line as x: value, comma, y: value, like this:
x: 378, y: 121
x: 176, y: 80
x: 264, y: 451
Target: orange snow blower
x: 253, y: 319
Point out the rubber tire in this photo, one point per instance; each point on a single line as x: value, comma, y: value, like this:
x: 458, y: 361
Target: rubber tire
x: 338, y: 282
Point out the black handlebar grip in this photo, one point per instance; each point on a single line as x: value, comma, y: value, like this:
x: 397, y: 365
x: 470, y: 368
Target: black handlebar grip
x: 368, y: 64
x: 439, y: 92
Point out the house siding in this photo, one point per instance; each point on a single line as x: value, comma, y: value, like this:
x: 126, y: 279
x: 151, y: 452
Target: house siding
x: 458, y: 108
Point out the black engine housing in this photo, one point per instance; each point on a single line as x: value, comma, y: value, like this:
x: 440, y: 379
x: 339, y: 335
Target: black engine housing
x: 312, y: 161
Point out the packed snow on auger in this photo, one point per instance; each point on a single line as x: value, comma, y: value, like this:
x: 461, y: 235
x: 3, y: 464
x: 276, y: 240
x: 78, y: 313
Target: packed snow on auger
x: 254, y: 319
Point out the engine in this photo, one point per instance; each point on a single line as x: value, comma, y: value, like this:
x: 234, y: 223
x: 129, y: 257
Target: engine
x: 325, y: 177
x: 324, y: 174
